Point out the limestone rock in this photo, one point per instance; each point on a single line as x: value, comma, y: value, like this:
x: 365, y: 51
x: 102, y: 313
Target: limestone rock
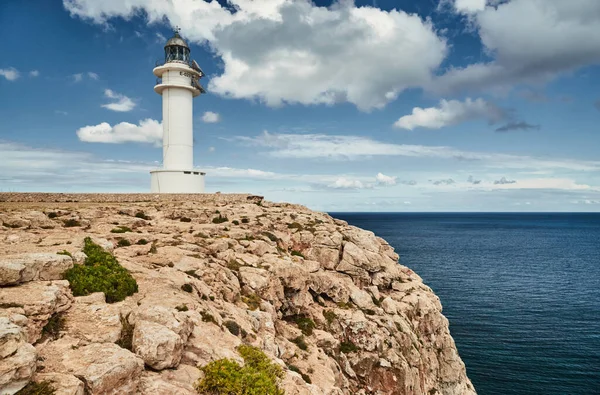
x: 17, y: 369
x: 21, y: 268
x: 157, y: 345
x: 63, y: 384
x: 105, y: 368
x: 94, y: 322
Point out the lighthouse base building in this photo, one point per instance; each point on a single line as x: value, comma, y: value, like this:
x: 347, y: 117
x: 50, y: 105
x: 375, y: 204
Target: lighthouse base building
x: 178, y: 84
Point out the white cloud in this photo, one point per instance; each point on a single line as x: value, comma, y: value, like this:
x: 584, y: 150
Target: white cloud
x: 504, y: 181
x: 61, y: 112
x: 160, y: 38
x: 345, y: 183
x: 275, y: 51
x: 211, y: 117
x: 34, y: 73
x: 450, y: 113
x: 341, y: 147
x: 148, y: 131
x: 93, y: 75
x: 122, y: 103
x: 77, y: 77
x: 211, y: 149
x: 382, y: 179
x: 469, y: 6
x: 10, y: 73
x: 531, y: 41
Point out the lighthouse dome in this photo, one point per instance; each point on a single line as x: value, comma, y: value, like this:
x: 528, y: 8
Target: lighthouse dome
x: 176, y: 40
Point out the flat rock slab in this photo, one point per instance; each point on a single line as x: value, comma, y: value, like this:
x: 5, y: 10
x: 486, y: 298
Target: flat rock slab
x: 15, y: 269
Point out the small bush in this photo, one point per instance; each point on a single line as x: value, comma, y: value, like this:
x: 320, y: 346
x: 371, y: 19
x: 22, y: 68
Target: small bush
x: 70, y: 223
x: 187, y: 287
x: 348, y: 347
x: 306, y: 325
x: 258, y: 376
x: 41, y: 388
x: 235, y: 222
x: 207, y: 317
x: 182, y: 307
x: 140, y: 214
x: 142, y: 242
x: 297, y: 253
x: 369, y: 312
x: 234, y: 265
x: 185, y: 219
x: 126, y: 339
x: 232, y: 327
x: 219, y: 220
x: 245, y: 220
x: 329, y: 316
x: 55, y: 325
x: 295, y: 225
x: 252, y: 300
x: 101, y: 272
x: 65, y: 252
x: 123, y: 243
x: 299, y: 341
x: 52, y: 215
x: 121, y: 229
x: 153, y: 249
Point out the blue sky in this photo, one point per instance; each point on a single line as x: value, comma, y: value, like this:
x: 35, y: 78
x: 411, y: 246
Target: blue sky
x: 451, y: 105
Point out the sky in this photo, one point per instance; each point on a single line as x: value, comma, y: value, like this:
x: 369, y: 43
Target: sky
x: 378, y: 105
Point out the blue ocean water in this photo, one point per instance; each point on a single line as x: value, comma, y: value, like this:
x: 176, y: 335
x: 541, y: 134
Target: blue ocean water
x: 521, y: 291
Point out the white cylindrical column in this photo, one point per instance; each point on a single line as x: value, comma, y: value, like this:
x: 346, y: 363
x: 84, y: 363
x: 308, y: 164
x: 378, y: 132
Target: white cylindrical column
x: 178, y: 136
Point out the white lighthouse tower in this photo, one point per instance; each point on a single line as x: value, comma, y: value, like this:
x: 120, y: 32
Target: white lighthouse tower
x: 178, y: 83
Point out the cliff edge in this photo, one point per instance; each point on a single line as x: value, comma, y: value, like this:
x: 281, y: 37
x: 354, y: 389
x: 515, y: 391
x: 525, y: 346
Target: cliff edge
x: 326, y: 301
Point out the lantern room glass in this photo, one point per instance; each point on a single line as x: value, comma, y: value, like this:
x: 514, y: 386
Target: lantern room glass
x: 176, y: 53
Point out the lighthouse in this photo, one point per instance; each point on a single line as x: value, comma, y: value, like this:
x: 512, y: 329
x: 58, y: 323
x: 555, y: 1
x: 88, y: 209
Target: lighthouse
x: 178, y: 84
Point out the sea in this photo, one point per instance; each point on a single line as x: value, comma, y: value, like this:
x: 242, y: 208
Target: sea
x: 521, y: 292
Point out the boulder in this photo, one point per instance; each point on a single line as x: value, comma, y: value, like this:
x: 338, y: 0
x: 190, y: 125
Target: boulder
x: 21, y: 268
x: 17, y: 369
x: 157, y: 345
x: 63, y: 384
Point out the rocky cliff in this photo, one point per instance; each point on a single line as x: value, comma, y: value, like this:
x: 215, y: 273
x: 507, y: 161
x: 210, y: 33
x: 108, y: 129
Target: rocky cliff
x: 326, y: 301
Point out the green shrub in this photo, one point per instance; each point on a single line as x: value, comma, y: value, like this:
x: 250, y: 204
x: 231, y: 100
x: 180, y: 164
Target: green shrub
x: 245, y: 220
x: 348, y: 347
x: 126, y: 339
x: 140, y: 214
x: 258, y: 376
x: 185, y: 219
x: 330, y: 316
x: 123, y: 243
x: 70, y: 223
x: 297, y: 253
x: 235, y: 222
x: 252, y: 300
x: 182, y: 307
x: 153, y: 249
x: 101, y: 272
x: 306, y: 325
x: 187, y: 288
x: 121, y: 229
x: 192, y: 273
x: 299, y: 341
x: 52, y: 215
x: 41, y: 388
x: 234, y: 265
x: 271, y: 236
x: 219, y: 220
x: 232, y: 327
x: 65, y: 252
x: 142, y: 242
x: 55, y: 324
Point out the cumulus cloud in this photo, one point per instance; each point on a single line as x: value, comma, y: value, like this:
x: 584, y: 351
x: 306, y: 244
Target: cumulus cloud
x: 469, y: 6
x: 122, y: 103
x: 511, y: 126
x: 77, y: 77
x: 504, y: 181
x: 531, y: 41
x: 382, y: 179
x: 448, y: 181
x: 450, y: 113
x: 211, y: 117
x: 148, y: 131
x: 274, y: 50
x: 473, y: 181
x: 34, y: 73
x: 10, y: 73
x: 93, y: 75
